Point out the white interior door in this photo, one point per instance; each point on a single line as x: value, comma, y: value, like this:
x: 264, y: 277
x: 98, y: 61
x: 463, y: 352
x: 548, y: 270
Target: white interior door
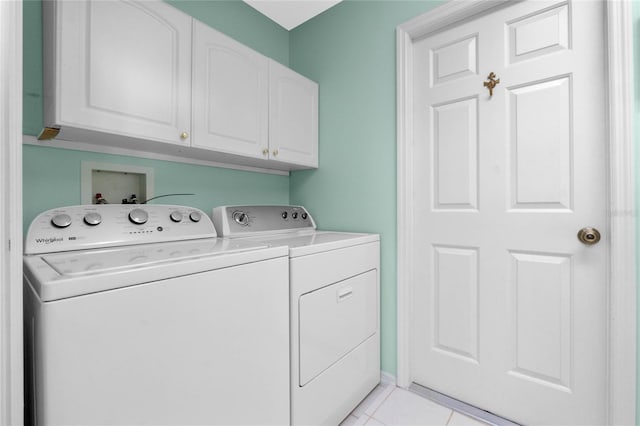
x: 509, y: 307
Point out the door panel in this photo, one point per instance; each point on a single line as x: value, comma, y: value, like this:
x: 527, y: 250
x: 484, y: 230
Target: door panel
x: 349, y: 306
x: 293, y: 116
x: 140, y: 76
x: 455, y: 143
x: 230, y: 95
x: 455, y: 60
x: 541, y: 318
x: 456, y: 297
x: 125, y: 67
x: 539, y: 34
x: 541, y: 155
x: 509, y: 308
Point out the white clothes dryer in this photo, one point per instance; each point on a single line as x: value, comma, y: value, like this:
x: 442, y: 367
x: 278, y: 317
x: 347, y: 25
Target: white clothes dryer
x: 138, y: 314
x: 334, y: 302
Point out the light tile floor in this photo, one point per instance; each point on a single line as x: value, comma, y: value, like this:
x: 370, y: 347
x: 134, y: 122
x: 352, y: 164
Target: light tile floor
x: 388, y: 405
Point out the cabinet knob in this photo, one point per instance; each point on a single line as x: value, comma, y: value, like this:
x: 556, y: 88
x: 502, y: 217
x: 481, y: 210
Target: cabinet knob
x: 275, y: 152
x: 184, y: 135
x: 265, y: 151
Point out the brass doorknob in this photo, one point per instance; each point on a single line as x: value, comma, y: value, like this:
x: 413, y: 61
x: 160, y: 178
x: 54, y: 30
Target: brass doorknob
x: 184, y: 135
x: 275, y: 152
x: 589, y: 236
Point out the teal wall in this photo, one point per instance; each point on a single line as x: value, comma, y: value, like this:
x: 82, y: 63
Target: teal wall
x: 51, y: 177
x: 241, y: 22
x: 350, y: 51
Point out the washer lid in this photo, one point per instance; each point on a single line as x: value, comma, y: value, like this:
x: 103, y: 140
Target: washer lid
x: 91, y: 262
x: 62, y: 275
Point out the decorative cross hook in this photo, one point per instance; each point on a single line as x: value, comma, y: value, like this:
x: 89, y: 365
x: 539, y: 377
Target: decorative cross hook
x: 491, y: 83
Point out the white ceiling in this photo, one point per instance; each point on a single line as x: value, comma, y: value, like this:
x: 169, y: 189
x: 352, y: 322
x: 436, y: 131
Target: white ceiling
x: 291, y: 13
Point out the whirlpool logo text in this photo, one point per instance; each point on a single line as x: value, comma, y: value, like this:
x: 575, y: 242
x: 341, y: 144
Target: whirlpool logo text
x: 49, y: 240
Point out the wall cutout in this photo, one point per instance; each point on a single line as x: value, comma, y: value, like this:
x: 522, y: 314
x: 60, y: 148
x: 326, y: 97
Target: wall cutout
x: 115, y: 183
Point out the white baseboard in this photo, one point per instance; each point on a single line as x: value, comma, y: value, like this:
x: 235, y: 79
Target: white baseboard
x: 387, y: 378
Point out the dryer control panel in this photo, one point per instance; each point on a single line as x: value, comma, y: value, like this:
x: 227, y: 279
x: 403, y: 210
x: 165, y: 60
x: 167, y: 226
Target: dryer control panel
x: 236, y: 221
x: 113, y: 225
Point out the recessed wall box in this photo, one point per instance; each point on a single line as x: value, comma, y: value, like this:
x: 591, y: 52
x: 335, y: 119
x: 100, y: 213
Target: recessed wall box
x: 115, y: 182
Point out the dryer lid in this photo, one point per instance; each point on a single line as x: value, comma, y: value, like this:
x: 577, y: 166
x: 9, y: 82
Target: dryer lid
x: 304, y: 243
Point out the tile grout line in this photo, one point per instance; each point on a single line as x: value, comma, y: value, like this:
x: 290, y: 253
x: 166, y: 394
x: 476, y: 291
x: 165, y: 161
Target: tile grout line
x: 393, y: 389
x: 379, y: 400
x: 363, y: 420
x: 370, y: 399
x: 449, y: 419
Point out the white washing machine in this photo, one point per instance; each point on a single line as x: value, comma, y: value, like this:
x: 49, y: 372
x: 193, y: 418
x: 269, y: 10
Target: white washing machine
x: 335, y: 299
x: 137, y: 314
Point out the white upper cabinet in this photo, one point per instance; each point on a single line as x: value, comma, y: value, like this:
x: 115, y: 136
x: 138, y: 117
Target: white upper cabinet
x: 230, y: 95
x: 144, y: 76
x: 293, y: 117
x: 119, y: 67
x: 249, y: 105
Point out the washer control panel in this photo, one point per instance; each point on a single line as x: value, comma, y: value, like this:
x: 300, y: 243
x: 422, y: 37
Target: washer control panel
x: 112, y: 225
x: 233, y: 221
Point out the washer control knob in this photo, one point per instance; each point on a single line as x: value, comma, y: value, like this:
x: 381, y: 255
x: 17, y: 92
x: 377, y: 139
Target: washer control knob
x: 176, y: 216
x: 138, y: 216
x: 61, y: 220
x: 241, y: 218
x: 285, y: 215
x: 294, y: 215
x: 92, y: 219
x: 195, y: 216
x: 304, y: 216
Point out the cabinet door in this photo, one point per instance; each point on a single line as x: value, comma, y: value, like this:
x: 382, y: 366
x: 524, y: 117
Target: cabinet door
x: 293, y: 117
x: 123, y: 67
x: 230, y: 95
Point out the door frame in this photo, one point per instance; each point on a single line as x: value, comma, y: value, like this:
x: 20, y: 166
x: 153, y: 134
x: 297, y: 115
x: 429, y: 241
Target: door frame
x: 622, y: 322
x: 11, y: 363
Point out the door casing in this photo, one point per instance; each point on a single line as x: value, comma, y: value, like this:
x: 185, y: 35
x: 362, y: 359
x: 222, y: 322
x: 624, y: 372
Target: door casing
x: 11, y: 401
x: 621, y: 331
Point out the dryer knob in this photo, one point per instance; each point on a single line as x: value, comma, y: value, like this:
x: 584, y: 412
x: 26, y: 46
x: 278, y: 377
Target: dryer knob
x: 195, y: 216
x: 294, y: 215
x: 61, y: 220
x: 92, y: 219
x: 240, y: 217
x: 138, y: 216
x: 176, y: 216
x: 304, y: 216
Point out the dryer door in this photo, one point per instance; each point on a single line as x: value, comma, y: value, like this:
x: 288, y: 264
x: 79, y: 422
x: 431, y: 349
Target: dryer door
x: 334, y: 320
